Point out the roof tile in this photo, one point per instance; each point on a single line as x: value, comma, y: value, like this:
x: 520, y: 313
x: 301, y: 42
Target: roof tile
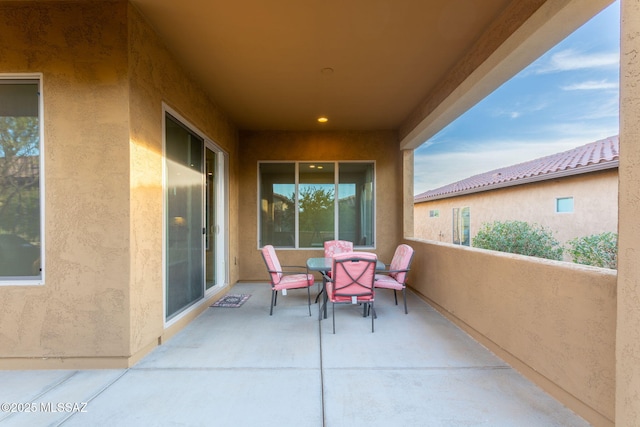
x: 598, y: 152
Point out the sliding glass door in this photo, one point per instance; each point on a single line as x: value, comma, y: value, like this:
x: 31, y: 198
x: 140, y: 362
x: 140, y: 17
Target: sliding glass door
x: 195, y: 231
x: 185, y: 222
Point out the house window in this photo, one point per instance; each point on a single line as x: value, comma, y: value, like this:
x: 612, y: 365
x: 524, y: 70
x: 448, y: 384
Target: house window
x: 304, y: 204
x: 434, y: 213
x: 20, y: 180
x: 461, y: 226
x: 564, y: 205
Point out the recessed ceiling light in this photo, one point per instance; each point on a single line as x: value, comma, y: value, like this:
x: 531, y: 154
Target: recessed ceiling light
x: 322, y: 119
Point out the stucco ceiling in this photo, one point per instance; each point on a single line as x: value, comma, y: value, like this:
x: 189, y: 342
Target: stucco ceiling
x: 365, y: 64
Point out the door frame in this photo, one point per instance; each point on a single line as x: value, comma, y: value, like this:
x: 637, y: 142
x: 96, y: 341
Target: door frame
x: 222, y: 217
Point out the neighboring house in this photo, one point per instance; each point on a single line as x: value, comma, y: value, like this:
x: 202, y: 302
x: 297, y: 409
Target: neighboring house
x: 573, y: 193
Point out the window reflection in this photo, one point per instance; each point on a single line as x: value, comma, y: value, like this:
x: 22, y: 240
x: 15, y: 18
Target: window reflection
x: 306, y: 214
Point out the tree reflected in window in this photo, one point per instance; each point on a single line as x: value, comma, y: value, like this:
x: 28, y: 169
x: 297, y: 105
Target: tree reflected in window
x: 302, y: 205
x: 19, y: 180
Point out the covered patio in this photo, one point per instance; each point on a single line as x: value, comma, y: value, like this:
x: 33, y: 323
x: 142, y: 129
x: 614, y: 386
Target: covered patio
x: 247, y: 80
x: 242, y: 367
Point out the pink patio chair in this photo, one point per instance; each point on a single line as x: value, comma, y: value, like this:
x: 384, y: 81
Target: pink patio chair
x: 282, y: 280
x: 351, y: 281
x: 332, y: 247
x: 396, y: 276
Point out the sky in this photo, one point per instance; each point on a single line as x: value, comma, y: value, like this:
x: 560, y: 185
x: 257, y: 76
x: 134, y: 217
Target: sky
x: 565, y: 99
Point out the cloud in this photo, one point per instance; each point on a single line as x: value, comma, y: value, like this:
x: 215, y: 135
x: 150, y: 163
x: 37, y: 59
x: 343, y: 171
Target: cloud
x: 570, y: 60
x: 512, y: 114
x: 587, y: 130
x: 592, y: 85
x: 524, y: 107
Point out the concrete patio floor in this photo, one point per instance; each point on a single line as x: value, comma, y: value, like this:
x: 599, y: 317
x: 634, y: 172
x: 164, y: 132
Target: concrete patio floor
x: 242, y: 367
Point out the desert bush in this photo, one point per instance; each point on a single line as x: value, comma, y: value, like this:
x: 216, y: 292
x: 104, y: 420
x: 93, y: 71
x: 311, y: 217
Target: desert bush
x: 519, y: 237
x: 599, y: 250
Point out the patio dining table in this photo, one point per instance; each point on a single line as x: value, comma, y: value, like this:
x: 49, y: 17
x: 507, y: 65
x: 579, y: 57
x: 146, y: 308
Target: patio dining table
x: 323, y: 265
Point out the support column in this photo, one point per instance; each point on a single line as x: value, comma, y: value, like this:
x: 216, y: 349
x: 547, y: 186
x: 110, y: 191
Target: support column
x: 407, y: 193
x: 628, y: 291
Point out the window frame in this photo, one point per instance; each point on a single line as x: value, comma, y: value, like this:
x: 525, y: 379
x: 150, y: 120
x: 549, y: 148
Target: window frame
x: 458, y: 223
x: 222, y: 211
x: 38, y: 79
x: 557, y: 207
x: 297, y: 163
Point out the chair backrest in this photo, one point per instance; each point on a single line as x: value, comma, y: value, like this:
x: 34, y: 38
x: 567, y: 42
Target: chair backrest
x: 353, y: 275
x: 272, y: 262
x: 401, y: 261
x: 332, y: 247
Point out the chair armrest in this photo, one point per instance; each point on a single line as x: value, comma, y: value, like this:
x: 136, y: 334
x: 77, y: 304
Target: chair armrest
x: 285, y: 272
x: 302, y: 267
x: 387, y: 272
x: 298, y: 269
x: 406, y: 270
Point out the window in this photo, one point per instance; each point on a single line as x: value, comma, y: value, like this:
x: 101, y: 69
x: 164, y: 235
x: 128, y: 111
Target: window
x: 461, y: 226
x: 434, y: 213
x: 20, y: 180
x: 564, y: 205
x: 299, y: 209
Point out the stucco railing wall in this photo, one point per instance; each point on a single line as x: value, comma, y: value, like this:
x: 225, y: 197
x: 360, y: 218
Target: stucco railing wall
x: 552, y: 321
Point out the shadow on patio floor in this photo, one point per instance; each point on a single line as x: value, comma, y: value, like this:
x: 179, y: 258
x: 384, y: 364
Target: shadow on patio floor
x: 242, y: 367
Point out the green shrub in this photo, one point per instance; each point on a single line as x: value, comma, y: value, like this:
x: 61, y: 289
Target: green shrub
x: 599, y: 250
x: 518, y: 237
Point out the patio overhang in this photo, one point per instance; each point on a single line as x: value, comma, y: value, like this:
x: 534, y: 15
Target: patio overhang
x: 411, y: 67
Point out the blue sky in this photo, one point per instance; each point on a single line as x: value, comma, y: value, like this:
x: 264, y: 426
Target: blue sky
x: 565, y: 99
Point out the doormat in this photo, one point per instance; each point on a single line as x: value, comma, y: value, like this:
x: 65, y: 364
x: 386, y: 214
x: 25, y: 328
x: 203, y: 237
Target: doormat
x: 231, y: 300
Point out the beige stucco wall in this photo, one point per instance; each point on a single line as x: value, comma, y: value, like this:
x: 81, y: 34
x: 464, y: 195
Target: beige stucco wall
x: 628, y: 332
x: 595, y: 198
x: 82, y: 309
x: 553, y: 321
x: 380, y: 146
x: 156, y: 77
x: 105, y: 75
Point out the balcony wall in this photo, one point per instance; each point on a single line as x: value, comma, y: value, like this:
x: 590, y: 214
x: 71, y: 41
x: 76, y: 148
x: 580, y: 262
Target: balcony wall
x: 553, y: 321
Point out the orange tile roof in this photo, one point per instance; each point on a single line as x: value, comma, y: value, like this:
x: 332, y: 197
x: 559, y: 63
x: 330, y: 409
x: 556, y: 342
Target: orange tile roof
x: 598, y: 155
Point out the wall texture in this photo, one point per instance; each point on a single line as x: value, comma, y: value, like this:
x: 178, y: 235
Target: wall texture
x: 595, y: 207
x: 155, y: 77
x: 380, y: 146
x: 553, y: 321
x: 82, y: 309
x: 628, y: 333
x: 105, y: 76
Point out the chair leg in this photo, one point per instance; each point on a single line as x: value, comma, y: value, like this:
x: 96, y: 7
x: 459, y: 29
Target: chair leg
x: 370, y: 310
x: 395, y: 296
x: 274, y: 294
x: 373, y: 315
x: 404, y: 295
x: 309, y: 298
x: 334, y: 317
